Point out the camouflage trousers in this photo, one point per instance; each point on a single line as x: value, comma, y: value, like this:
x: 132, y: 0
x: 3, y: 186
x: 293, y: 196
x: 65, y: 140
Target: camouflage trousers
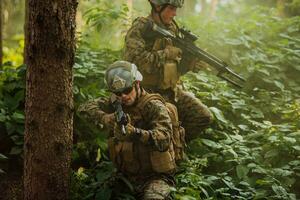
x: 153, y: 187
x: 156, y: 189
x: 193, y: 114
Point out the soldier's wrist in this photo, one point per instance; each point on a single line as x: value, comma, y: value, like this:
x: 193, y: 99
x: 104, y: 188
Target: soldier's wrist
x: 142, y: 135
x: 102, y: 119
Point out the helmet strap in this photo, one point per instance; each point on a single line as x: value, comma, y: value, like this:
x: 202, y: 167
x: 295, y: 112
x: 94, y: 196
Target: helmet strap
x: 153, y: 7
x: 160, y: 11
x: 173, y: 20
x: 138, y: 91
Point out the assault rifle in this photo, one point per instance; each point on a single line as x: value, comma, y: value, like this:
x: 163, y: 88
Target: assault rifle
x: 185, y: 41
x: 120, y: 116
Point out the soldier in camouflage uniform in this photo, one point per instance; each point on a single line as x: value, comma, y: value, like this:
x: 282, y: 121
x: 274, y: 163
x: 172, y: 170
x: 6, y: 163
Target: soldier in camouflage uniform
x: 158, y: 61
x: 144, y: 153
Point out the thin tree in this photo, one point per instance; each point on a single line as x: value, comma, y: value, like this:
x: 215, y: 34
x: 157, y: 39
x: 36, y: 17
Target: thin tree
x: 213, y: 8
x: 203, y: 8
x: 130, y: 9
x: 50, y: 49
x: 281, y: 7
x: 1, y: 52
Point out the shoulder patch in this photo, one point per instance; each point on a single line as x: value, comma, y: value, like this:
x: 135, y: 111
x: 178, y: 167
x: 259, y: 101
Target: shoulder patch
x: 141, y: 19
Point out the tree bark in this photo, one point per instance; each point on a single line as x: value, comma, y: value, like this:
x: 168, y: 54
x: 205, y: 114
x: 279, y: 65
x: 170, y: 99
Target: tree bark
x: 50, y: 49
x: 281, y: 7
x: 1, y: 49
x: 213, y: 8
x: 203, y: 8
x: 188, y: 7
x: 130, y: 9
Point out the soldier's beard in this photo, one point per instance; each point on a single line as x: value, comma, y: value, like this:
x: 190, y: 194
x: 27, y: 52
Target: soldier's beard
x: 130, y: 99
x: 128, y: 102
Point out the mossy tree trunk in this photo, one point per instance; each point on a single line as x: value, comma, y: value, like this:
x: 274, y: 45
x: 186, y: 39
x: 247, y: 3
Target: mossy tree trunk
x: 49, y: 55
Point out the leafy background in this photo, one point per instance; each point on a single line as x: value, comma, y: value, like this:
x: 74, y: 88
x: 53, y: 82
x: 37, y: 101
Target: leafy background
x: 251, y: 151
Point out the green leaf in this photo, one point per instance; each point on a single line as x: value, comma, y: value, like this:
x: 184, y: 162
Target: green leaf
x: 2, y: 157
x: 218, y: 114
x: 103, y: 194
x: 242, y: 171
x: 244, y: 127
x: 282, y: 172
x: 279, y: 85
x: 18, y: 117
x: 296, y: 147
x: 128, y: 184
x: 295, y: 162
x: 102, y: 176
x: 273, y: 138
x: 279, y: 190
x: 289, y: 140
x: 272, y: 153
x: 211, y: 143
x: 2, y: 117
x: 16, y: 151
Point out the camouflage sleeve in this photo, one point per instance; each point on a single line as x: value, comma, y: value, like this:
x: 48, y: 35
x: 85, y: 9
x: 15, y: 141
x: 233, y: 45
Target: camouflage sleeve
x: 160, y: 128
x: 136, y: 52
x: 94, y: 110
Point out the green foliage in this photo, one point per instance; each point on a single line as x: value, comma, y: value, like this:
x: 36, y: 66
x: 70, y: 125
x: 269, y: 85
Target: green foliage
x: 12, y: 82
x: 105, y: 14
x: 100, y: 182
x: 14, y: 55
x: 89, y: 83
x: 252, y: 149
x: 105, y: 22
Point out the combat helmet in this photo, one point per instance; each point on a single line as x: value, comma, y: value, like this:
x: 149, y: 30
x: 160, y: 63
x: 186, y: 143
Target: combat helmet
x: 176, y: 3
x: 122, y: 75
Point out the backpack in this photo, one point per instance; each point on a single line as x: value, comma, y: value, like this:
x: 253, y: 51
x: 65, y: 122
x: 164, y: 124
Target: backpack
x: 178, y: 135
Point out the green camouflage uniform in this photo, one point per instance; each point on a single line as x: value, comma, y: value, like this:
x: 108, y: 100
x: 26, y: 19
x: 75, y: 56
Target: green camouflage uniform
x: 150, y: 58
x: 156, y: 121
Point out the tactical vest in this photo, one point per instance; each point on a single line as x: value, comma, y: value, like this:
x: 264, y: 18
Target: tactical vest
x: 138, y: 158
x: 167, y: 75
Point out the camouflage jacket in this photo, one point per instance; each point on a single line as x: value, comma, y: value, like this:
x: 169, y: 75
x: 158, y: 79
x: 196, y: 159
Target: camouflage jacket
x: 155, y: 119
x: 141, y: 51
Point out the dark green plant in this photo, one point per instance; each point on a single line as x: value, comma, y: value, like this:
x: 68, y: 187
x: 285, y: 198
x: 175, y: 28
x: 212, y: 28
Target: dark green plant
x: 12, y: 95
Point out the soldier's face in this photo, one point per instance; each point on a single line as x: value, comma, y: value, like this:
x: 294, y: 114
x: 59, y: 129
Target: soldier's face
x: 168, y: 14
x: 128, y: 98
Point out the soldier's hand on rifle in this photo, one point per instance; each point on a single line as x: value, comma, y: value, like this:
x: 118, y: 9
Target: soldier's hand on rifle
x: 108, y: 120
x: 197, y: 65
x: 129, y: 131
x: 173, y: 53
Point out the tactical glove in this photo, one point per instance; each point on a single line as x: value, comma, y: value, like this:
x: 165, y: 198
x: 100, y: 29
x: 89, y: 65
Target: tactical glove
x: 108, y: 120
x: 129, y: 132
x: 197, y: 65
x: 172, y: 53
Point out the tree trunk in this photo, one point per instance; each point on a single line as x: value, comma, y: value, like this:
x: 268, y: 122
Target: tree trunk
x: 281, y: 7
x: 130, y: 9
x: 213, y: 8
x: 188, y: 7
x: 1, y: 52
x: 203, y: 8
x: 50, y: 49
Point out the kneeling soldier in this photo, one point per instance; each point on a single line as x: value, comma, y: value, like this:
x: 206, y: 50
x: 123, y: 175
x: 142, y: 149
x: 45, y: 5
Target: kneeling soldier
x: 141, y: 148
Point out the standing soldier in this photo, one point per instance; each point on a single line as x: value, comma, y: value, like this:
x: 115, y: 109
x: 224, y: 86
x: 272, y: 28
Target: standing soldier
x: 158, y: 61
x: 142, y: 148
